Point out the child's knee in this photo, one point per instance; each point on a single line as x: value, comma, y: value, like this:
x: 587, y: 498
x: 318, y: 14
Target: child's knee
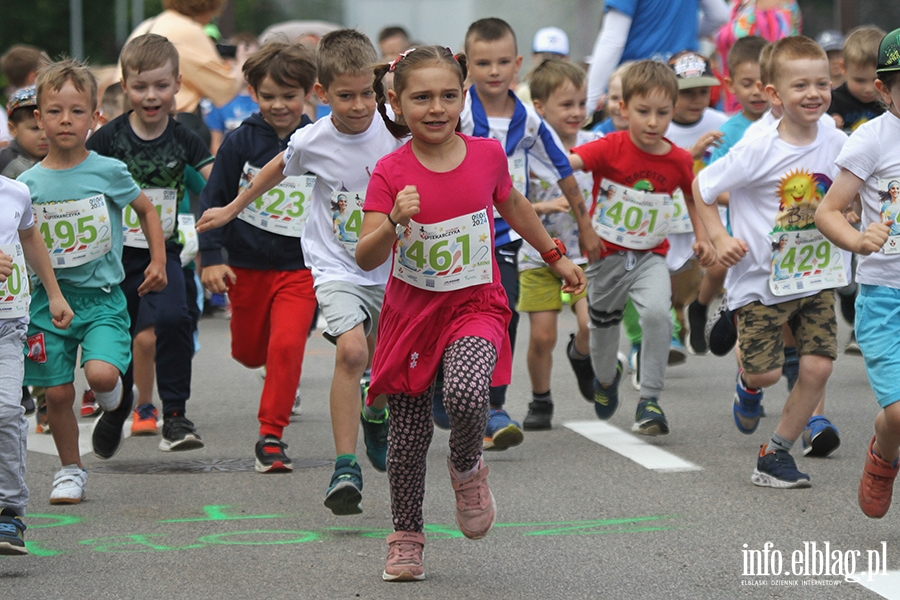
x: 892, y: 417
x: 656, y: 318
x: 101, y: 376
x: 762, y: 380
x: 352, y: 353
x: 543, y: 338
x: 60, y: 396
x: 816, y: 368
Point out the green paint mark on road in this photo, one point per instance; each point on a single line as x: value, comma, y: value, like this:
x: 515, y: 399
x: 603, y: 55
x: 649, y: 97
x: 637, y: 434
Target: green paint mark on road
x: 217, y: 512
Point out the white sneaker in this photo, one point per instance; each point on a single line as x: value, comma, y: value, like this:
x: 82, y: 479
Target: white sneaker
x: 297, y: 410
x: 68, y: 485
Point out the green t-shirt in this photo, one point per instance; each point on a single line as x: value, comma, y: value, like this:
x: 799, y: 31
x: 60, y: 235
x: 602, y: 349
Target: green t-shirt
x: 94, y: 176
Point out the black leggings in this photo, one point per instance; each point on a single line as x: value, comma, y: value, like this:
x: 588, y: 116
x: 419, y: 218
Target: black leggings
x: 468, y: 365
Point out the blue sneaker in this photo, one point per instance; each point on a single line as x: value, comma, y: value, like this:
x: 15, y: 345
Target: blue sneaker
x: 746, y: 406
x: 677, y: 352
x: 820, y: 437
x: 649, y: 418
x: 791, y: 367
x: 12, y: 535
x: 502, y: 432
x: 606, y: 397
x: 777, y: 469
x: 345, y: 492
x: 375, y: 435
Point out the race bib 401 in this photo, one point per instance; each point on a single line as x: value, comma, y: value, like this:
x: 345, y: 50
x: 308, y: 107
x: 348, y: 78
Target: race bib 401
x: 632, y: 218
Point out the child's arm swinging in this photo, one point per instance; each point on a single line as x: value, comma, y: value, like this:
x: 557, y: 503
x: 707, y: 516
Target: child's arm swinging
x: 517, y: 211
x: 833, y: 223
x: 377, y: 237
x: 155, y: 278
x: 729, y: 250
x: 39, y: 260
x: 268, y: 177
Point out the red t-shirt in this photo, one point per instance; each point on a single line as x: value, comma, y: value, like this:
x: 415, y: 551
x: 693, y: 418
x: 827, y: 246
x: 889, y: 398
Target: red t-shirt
x: 416, y: 325
x: 615, y: 157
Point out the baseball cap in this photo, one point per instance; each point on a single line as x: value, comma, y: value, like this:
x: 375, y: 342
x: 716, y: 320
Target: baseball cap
x: 889, y: 53
x: 551, y: 40
x: 22, y: 98
x: 830, y: 40
x: 692, y: 70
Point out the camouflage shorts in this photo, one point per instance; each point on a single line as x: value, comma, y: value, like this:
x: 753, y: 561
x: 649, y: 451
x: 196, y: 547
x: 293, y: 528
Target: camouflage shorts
x: 812, y: 321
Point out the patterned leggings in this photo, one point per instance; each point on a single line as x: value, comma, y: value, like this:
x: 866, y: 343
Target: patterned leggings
x: 468, y: 367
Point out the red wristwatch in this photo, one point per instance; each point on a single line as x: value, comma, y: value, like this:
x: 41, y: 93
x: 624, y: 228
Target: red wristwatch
x: 551, y: 256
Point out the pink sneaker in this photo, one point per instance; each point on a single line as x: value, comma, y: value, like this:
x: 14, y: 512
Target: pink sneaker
x: 876, y: 486
x: 404, y: 561
x: 475, y: 506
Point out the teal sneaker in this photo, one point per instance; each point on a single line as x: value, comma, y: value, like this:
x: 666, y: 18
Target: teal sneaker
x: 345, y: 492
x: 375, y: 435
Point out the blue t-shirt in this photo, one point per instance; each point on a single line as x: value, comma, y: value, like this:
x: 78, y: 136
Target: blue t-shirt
x: 232, y: 114
x: 659, y: 28
x: 733, y: 129
x: 93, y: 176
x: 605, y: 127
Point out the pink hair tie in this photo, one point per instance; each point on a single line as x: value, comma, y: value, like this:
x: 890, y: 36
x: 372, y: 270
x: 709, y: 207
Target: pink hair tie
x: 394, y: 62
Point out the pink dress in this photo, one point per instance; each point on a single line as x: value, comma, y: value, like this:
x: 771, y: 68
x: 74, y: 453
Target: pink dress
x: 416, y: 325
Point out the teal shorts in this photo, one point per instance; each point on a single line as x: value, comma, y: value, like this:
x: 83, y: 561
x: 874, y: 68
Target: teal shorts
x: 100, y: 327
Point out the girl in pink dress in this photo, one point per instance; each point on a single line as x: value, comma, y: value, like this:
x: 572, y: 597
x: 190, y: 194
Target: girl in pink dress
x: 430, y: 205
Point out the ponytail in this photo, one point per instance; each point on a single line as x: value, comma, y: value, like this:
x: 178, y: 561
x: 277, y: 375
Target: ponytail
x: 400, y: 67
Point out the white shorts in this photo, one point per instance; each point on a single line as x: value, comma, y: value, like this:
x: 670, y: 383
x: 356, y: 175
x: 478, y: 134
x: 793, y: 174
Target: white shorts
x: 346, y: 305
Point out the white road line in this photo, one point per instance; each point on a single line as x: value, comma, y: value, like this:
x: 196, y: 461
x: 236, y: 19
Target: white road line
x: 43, y: 443
x: 886, y: 585
x: 631, y: 447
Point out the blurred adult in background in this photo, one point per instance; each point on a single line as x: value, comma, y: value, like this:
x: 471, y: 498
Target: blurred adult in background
x: 639, y: 29
x: 204, y: 73
x: 392, y: 41
x: 768, y: 19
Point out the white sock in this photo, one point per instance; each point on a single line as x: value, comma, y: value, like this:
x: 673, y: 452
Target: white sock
x: 109, y: 401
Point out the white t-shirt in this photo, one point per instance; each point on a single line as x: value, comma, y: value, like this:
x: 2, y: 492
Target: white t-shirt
x: 762, y: 124
x: 15, y: 212
x: 341, y: 162
x: 544, y: 186
x: 760, y: 175
x: 681, y: 245
x: 871, y: 154
x: 5, y: 135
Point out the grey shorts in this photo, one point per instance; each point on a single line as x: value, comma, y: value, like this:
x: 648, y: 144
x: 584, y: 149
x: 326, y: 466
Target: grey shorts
x: 346, y: 305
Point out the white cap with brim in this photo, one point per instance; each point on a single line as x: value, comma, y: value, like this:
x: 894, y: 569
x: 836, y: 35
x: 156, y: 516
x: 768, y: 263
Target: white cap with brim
x: 551, y: 40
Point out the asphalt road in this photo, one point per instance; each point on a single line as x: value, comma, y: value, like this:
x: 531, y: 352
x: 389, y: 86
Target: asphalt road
x: 575, y: 518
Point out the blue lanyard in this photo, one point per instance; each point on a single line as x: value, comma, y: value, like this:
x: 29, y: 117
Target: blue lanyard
x: 483, y: 129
